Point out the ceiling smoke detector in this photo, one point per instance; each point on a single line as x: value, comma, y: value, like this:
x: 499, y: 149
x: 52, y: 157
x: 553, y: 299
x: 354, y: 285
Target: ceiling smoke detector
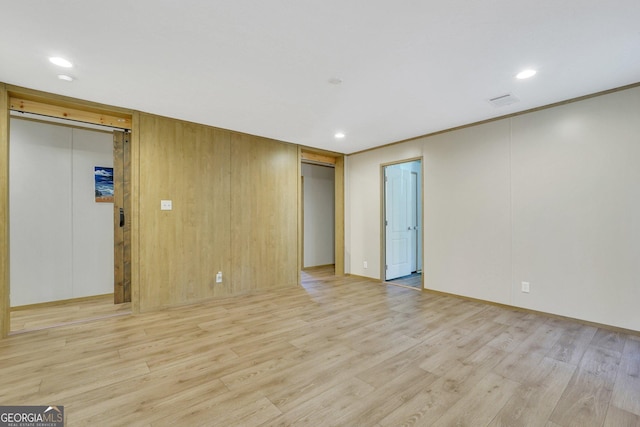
x: 503, y: 100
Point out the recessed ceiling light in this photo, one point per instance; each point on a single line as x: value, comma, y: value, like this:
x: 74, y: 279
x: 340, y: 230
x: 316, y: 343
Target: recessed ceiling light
x: 525, y: 74
x: 339, y: 135
x: 60, y: 62
x: 65, y: 77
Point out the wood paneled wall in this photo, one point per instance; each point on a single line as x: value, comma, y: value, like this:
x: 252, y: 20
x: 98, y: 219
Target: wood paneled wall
x: 181, y: 250
x: 264, y: 219
x: 4, y: 212
x: 234, y: 210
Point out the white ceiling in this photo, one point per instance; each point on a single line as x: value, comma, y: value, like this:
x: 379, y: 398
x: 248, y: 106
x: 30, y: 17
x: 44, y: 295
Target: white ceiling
x: 408, y: 67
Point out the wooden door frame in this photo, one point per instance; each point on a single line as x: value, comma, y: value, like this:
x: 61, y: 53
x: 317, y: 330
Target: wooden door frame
x: 337, y: 161
x: 28, y: 100
x: 5, y: 315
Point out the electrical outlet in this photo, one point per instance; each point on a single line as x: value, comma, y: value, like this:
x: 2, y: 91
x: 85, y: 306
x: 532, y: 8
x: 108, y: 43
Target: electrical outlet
x: 219, y: 277
x: 366, y: 265
x: 166, y: 205
x: 525, y: 287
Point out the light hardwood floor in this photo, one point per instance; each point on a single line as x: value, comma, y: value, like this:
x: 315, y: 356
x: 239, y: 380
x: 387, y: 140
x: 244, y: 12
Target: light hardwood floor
x: 334, y: 352
x: 43, y: 316
x: 413, y: 281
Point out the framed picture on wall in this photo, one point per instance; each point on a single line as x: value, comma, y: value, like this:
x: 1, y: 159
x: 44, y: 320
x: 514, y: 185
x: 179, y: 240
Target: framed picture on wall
x: 103, y: 178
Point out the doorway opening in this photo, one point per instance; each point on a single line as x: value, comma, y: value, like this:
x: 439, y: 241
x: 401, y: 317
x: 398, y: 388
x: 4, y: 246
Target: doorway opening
x: 321, y: 214
x: 402, y: 223
x: 318, y: 219
x: 62, y: 231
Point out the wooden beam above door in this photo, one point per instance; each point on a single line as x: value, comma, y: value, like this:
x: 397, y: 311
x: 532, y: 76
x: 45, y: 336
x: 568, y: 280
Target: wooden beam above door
x: 63, y: 112
x: 317, y: 158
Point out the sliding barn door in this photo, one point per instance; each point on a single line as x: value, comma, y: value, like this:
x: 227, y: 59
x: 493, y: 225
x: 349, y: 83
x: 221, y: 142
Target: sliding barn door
x: 122, y: 212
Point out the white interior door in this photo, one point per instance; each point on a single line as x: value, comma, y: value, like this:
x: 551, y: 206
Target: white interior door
x: 41, y: 212
x: 398, y: 222
x: 61, y: 239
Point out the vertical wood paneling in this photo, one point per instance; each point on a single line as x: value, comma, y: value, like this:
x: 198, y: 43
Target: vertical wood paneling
x: 300, y: 225
x: 264, y: 213
x: 181, y: 250
x: 300, y: 215
x: 4, y: 212
x: 339, y: 216
x: 134, y: 215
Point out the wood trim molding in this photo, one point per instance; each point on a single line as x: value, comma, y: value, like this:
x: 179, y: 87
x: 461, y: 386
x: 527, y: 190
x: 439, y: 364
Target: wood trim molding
x: 335, y: 160
x: 65, y: 101
x: 134, y: 213
x: 300, y: 195
x: 5, y: 316
x: 369, y: 279
x: 65, y: 112
x: 317, y: 158
x: 339, y: 216
x: 506, y: 116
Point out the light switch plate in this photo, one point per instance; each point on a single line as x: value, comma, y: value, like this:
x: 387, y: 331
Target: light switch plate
x: 165, y: 205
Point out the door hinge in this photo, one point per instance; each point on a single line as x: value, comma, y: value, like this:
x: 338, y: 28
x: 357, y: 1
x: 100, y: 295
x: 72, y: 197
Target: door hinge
x: 386, y: 267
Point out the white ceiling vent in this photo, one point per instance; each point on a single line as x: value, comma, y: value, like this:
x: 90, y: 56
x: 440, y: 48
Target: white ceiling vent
x: 501, y: 101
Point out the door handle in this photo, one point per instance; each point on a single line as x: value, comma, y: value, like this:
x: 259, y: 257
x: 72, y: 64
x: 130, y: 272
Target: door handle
x: 121, y: 217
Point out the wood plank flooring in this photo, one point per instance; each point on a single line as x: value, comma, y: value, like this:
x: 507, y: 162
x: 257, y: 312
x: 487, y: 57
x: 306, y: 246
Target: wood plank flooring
x: 413, y: 280
x: 43, y: 316
x: 334, y: 352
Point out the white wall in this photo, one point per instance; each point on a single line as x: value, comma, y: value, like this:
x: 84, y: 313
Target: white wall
x: 61, y: 240
x: 363, y: 192
x: 549, y: 197
x: 576, y: 209
x: 319, y: 215
x: 466, y: 204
